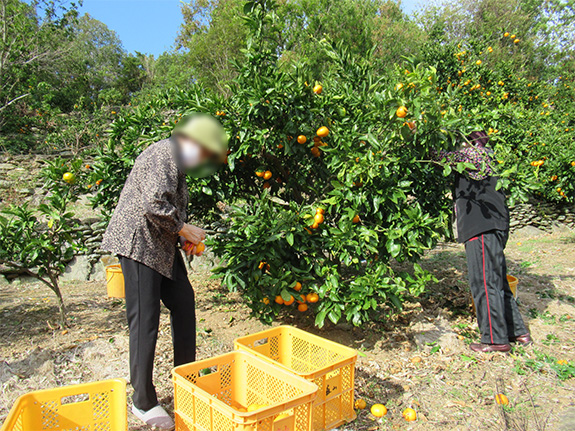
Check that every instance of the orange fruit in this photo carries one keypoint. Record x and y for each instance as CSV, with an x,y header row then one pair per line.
x,y
267,175
302,308
355,219
266,185
312,297
506,34
317,139
401,112
322,132
572,163
501,399
409,415
360,404
261,265
290,301
378,410
200,248
279,300
317,89
478,62
318,218
297,286
301,300
314,225
315,151
321,210
301,139
69,177
266,301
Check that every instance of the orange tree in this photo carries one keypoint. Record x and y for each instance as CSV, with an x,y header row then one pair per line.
x,y
529,118
333,197
40,242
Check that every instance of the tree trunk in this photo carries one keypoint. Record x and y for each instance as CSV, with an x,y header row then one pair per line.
x,y
62,308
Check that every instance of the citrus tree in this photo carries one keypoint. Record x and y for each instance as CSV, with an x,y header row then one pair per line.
x,y
40,242
333,196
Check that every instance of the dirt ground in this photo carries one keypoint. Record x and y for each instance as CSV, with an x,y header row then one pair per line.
x,y
417,359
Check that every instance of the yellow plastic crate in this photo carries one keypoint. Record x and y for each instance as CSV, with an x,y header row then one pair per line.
x,y
329,365
98,406
215,395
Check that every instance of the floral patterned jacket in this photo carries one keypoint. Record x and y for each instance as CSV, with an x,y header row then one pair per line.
x,y
151,210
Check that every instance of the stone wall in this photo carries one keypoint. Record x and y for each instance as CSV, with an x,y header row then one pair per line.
x,y
542,215
90,262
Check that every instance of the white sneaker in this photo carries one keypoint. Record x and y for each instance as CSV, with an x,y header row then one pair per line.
x,y
157,418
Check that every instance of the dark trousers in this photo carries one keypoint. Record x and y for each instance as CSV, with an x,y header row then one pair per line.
x,y
145,288
498,316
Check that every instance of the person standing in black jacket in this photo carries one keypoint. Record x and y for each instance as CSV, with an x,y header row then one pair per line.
x,y
483,226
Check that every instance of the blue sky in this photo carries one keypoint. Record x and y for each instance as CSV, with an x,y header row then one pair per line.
x,y
150,26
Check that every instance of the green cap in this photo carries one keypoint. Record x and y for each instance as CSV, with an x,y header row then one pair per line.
x,y
205,130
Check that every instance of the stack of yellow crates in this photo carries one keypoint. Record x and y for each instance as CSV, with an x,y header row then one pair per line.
x,y
281,379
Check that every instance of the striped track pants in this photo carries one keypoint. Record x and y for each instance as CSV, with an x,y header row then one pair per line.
x,y
498,316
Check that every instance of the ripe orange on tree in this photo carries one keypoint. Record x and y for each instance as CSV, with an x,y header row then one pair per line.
x,y
301,300
355,219
301,139
312,297
297,286
314,225
322,132
409,415
315,151
302,308
266,301
378,410
279,300
289,301
267,175
320,211
318,218
401,112
317,89
259,173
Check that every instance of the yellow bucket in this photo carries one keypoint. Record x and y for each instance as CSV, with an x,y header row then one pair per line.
x,y
512,286
115,281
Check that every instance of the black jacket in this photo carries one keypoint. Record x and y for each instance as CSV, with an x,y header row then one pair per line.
x,y
479,207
